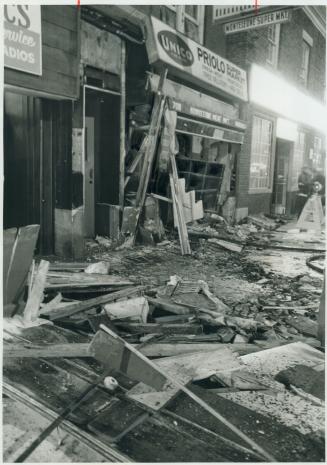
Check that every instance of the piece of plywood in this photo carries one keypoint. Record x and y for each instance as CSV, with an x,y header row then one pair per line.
x,y
20,262
65,279
114,353
9,237
69,350
192,210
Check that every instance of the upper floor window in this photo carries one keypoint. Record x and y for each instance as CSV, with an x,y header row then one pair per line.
x,y
187,19
261,153
305,62
273,44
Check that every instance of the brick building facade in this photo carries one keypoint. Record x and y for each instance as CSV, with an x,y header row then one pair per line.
x,y
288,58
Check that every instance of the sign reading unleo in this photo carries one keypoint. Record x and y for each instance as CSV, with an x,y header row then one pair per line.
x,y
264,19
22,38
177,50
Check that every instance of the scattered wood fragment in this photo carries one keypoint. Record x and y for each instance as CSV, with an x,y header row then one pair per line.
x,y
232,246
124,360
168,306
18,350
178,208
169,349
74,308
62,280
53,303
35,298
150,328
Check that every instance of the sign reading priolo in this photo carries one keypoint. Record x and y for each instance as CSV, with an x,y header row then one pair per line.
x,y
22,38
198,62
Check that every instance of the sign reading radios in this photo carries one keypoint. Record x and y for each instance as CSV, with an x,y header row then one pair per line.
x,y
264,19
22,38
197,61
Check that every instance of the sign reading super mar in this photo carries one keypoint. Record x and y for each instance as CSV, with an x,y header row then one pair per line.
x,y
22,38
196,61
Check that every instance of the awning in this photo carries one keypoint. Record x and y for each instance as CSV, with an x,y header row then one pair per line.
x,y
187,101
209,131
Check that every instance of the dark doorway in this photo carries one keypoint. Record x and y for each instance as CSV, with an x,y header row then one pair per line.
x,y
35,133
102,153
281,172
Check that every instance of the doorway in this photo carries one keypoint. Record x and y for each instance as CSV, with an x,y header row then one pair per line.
x,y
36,131
282,161
101,153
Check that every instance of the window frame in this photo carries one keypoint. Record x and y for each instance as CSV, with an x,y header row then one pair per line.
x,y
304,71
181,15
268,189
274,44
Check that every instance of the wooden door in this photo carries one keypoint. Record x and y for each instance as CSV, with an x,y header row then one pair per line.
x,y
281,175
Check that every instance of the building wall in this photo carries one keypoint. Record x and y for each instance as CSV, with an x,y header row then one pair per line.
x,y
60,54
249,47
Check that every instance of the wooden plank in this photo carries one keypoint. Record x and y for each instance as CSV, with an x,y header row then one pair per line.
x,y
226,245
18,350
74,308
31,311
169,306
114,353
150,328
21,260
178,207
64,279
9,237
171,349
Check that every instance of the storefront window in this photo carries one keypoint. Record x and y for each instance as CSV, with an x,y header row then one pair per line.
x,y
261,153
298,157
317,153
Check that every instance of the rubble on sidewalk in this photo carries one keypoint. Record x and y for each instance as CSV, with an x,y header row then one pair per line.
x,y
141,339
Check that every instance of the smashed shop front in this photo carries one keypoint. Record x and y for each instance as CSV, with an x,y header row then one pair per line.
x,y
202,116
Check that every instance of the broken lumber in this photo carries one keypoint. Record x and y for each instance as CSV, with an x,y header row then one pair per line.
x,y
35,298
63,280
114,352
170,349
168,306
74,308
232,246
150,328
178,208
19,350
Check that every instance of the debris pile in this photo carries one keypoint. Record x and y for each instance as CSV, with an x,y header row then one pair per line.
x,y
121,343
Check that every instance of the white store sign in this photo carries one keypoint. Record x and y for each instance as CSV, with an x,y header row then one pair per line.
x,y
22,38
252,22
182,53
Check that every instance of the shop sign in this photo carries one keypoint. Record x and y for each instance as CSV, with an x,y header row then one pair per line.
x,y
226,11
252,22
197,128
22,38
203,65
192,110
